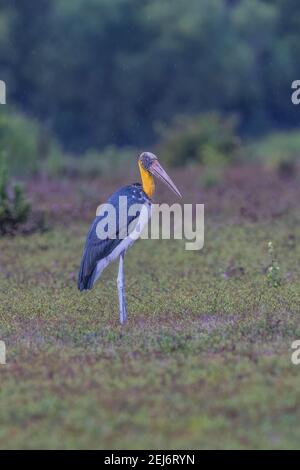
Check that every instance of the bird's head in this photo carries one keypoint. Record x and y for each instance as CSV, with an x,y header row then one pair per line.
x,y
150,166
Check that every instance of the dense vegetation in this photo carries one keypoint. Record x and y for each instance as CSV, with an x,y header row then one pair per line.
x,y
98,72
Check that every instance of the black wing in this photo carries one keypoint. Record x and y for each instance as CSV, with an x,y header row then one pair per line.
x,y
96,249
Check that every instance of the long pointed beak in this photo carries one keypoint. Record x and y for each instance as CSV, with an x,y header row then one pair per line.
x,y
157,170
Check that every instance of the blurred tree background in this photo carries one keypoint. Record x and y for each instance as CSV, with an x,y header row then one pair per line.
x,y
96,73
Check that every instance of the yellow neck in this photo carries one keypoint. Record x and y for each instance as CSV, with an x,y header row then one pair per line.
x,y
147,181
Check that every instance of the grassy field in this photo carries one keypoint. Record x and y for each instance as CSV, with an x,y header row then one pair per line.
x,y
204,361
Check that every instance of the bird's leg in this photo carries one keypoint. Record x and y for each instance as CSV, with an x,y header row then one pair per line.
x,y
121,290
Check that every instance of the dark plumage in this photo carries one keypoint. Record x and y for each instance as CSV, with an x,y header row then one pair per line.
x,y
96,249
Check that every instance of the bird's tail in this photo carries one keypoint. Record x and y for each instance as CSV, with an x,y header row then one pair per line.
x,y
85,280
87,275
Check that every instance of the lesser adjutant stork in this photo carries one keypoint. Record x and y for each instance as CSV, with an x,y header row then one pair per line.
x,y
98,252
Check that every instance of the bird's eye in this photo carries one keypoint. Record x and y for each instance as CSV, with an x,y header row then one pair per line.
x,y
145,161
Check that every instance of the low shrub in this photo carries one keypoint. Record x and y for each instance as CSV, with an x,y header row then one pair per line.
x,y
279,150
199,139
26,143
14,208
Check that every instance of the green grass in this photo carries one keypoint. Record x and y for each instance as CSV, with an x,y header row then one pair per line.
x,y
204,361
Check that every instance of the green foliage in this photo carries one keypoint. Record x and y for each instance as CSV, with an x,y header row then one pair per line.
x,y
14,208
30,149
111,162
139,62
209,139
279,150
25,142
18,136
